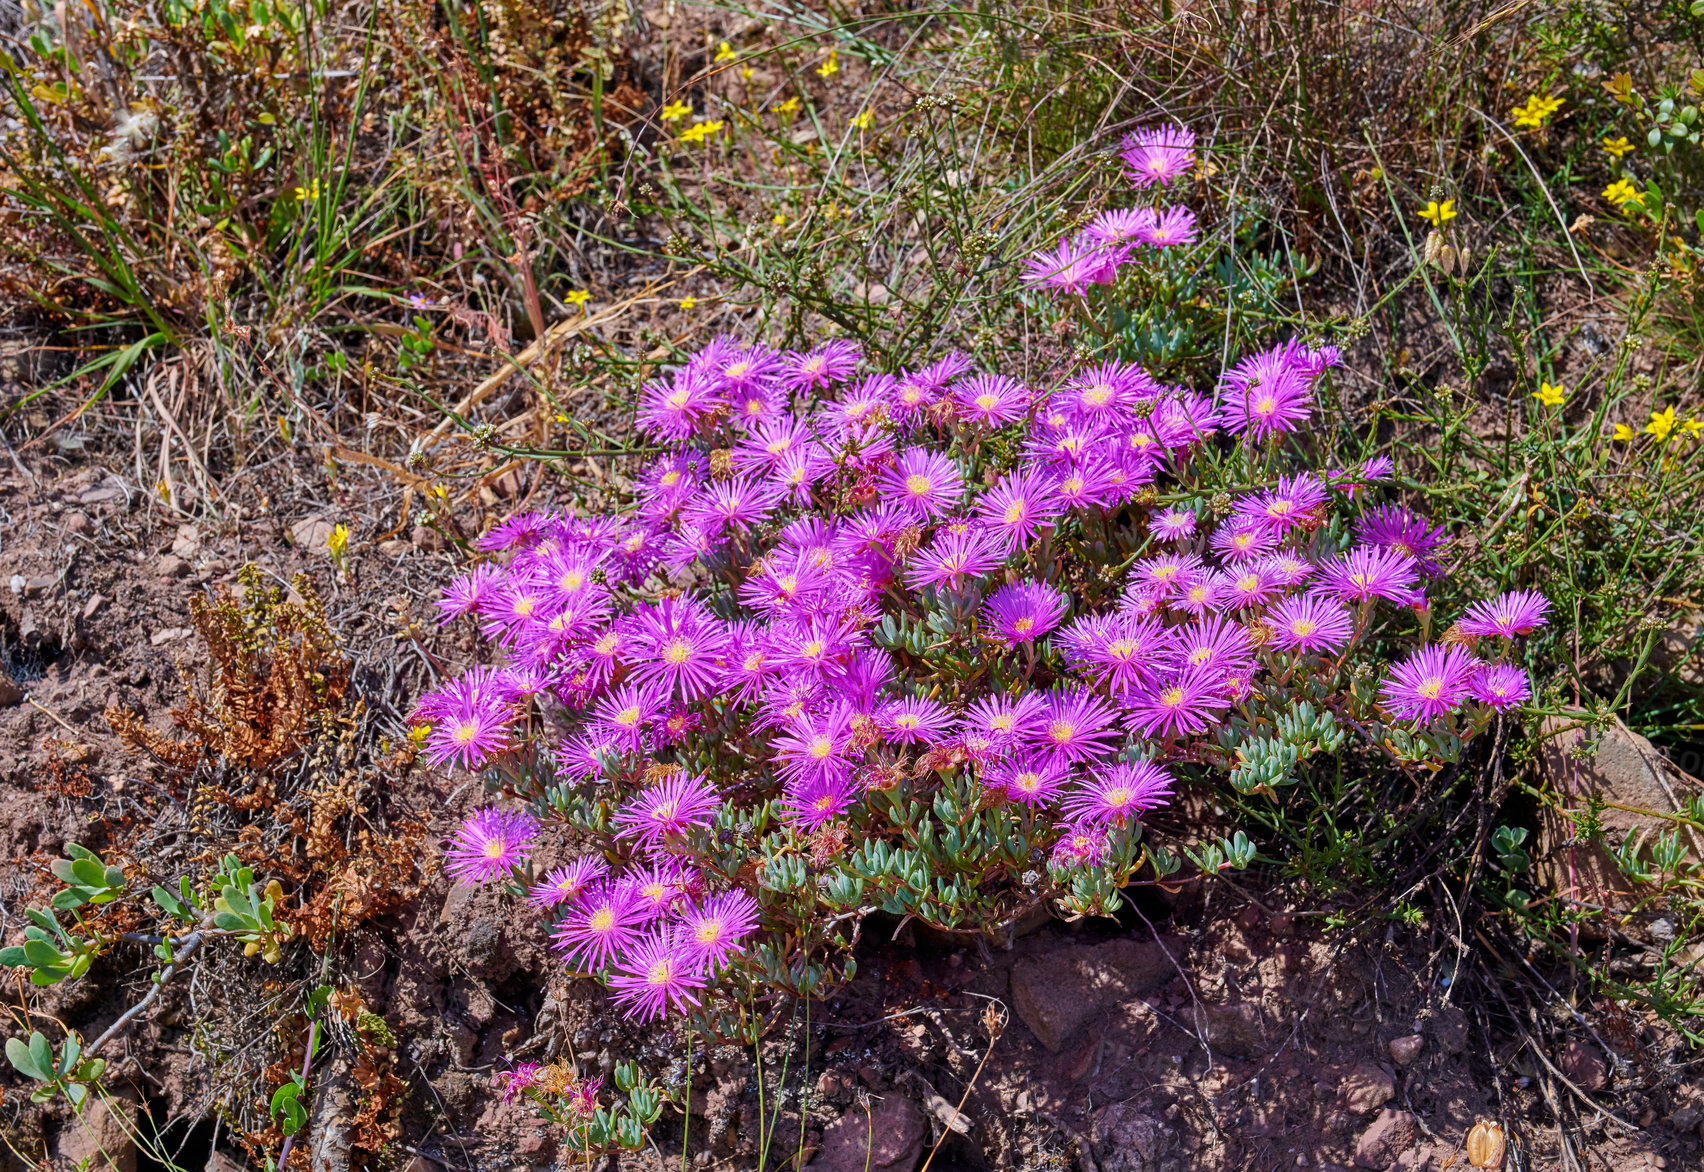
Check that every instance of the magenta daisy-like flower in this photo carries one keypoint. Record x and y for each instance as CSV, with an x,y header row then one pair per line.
x,y
1072,265
923,482
817,746
999,720
951,558
672,807
1367,572
1394,527
1171,227
1173,525
1088,485
657,888
670,411
1241,538
488,844
1297,501
1518,612
821,366
511,1083
1183,704
1120,226
520,531
1017,508
1310,623
913,718
1130,655
1033,779
1429,683
1080,846
602,924
1266,394
1116,793
1023,611
566,884
1212,645
680,643
1243,586
737,504
714,931
1076,725
623,714
1157,154
769,444
655,976
1165,574
816,801
1288,569
991,399
1501,686
468,593
470,724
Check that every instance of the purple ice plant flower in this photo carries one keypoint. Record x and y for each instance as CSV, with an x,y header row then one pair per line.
x,y
1076,725
816,801
1070,266
1171,227
566,884
1080,846
1517,612
670,808
951,558
1032,780
820,367
1310,623
1173,525
1184,703
991,399
1394,527
678,643
602,924
1500,685
1157,154
466,594
911,718
1430,683
1115,793
1023,611
1017,508
1367,572
712,933
656,975
926,483
489,843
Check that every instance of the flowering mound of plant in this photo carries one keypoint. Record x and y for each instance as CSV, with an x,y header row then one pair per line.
x,y
933,643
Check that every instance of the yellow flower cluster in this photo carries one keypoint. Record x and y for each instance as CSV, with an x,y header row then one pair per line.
x,y
1663,424
1536,111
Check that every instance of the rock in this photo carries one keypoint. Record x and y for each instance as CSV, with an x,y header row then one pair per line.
x,y
1235,1028
78,521
1624,774
1126,1140
888,1139
1406,1049
1686,1118
394,548
1583,1063
187,543
1366,1088
98,1139
1056,995
1386,1138
312,534
1449,1027
10,692
429,540
222,1162
1680,643
40,584
169,635
171,566
93,607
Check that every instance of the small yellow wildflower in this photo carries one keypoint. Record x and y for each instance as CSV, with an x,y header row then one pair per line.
x,y
1536,110
790,106
419,733
747,73
725,52
1616,146
439,491
778,220
1662,423
578,298
1693,427
1623,432
1438,213
830,65
700,131
688,302
308,194
1623,194
338,541
265,118
561,418
862,119
675,111
1550,394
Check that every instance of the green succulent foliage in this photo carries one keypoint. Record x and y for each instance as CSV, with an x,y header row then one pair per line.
x,y
68,1072
87,879
185,904
49,952
623,1123
1506,844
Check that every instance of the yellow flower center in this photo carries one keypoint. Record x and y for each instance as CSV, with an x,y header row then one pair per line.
x,y
1098,395
494,849
1023,624
1303,627
820,747
572,580
917,484
1014,512
466,732
709,930
1171,697
602,920
1061,731
670,478
1118,796
661,973
607,644
1265,405
986,402
677,652
1431,688
628,716
736,369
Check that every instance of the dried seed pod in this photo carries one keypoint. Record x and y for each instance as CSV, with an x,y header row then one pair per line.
x,y
1485,1145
